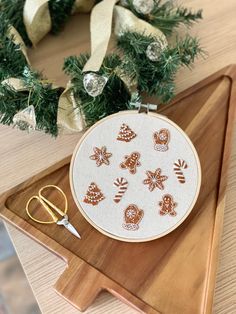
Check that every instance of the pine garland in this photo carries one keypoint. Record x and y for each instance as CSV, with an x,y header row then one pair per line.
x,y
42,96
130,59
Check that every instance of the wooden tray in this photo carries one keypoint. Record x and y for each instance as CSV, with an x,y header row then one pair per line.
x,y
174,274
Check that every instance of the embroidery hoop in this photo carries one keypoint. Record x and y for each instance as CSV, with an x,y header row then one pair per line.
x,y
83,211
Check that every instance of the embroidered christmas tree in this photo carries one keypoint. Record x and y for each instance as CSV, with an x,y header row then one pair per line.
x,y
93,195
125,134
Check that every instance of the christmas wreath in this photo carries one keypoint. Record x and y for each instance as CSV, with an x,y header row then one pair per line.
x,y
146,59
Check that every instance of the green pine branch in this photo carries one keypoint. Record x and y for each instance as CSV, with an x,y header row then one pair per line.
x,y
167,16
42,96
156,78
12,60
13,12
115,96
60,12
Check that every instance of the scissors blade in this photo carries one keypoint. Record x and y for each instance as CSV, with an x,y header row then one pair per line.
x,y
69,226
72,229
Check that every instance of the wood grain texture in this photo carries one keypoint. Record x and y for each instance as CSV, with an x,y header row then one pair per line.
x,y
135,272
23,155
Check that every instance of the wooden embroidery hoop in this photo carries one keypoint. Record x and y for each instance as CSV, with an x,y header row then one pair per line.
x,y
155,115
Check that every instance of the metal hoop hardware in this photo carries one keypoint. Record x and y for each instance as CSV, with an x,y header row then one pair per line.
x,y
145,108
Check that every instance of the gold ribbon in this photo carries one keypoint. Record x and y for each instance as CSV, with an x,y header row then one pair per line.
x,y
15,83
37,17
70,118
83,6
125,20
17,39
100,29
101,25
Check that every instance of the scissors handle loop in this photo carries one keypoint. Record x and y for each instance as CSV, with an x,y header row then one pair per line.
x,y
47,205
54,217
58,210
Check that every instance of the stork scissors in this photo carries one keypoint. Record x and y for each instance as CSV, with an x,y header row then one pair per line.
x,y
51,208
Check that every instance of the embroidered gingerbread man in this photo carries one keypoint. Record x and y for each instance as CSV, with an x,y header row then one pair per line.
x,y
167,205
131,162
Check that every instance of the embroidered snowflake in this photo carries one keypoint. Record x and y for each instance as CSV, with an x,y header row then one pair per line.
x,y
155,179
131,213
101,156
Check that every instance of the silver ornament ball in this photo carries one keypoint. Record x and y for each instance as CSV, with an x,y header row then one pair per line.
x,y
94,83
144,6
154,50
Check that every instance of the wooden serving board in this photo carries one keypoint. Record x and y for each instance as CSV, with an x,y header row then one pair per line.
x,y
173,274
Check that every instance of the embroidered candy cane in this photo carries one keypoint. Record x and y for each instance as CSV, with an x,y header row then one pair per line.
x,y
178,165
122,183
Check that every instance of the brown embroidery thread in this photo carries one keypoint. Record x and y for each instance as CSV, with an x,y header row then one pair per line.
x,y
125,134
101,156
155,179
132,216
122,184
93,195
161,140
131,162
167,205
178,165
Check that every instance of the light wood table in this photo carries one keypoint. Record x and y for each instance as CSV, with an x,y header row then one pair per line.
x,y
23,155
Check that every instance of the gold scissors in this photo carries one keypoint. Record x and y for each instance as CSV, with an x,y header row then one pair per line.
x,y
49,207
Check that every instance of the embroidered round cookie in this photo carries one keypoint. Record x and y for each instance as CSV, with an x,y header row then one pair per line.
x,y
134,176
